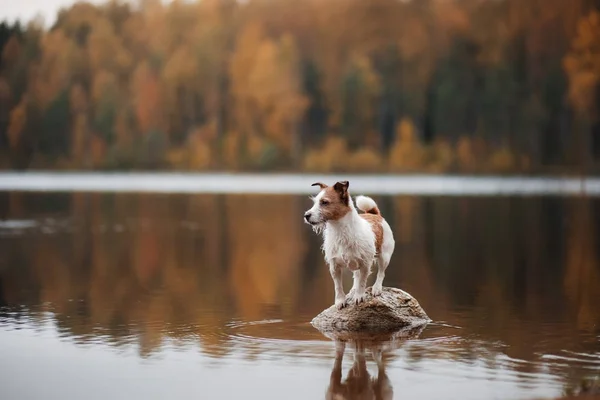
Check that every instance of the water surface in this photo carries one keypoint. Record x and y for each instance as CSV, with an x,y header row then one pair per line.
x,y
148,296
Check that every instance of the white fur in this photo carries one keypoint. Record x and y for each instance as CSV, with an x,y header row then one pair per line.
x,y
383,260
315,212
365,203
349,240
350,243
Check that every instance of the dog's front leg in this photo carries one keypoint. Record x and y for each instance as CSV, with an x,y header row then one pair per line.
x,y
335,268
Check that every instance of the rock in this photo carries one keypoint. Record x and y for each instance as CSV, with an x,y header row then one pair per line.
x,y
392,310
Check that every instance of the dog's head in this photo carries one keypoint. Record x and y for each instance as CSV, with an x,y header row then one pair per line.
x,y
332,203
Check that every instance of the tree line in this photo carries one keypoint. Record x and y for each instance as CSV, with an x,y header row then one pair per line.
x,y
311,85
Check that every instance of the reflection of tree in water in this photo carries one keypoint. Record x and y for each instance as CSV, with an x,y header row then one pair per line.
x,y
266,248
150,268
582,275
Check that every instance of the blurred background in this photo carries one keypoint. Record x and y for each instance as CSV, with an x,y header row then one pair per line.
x,y
438,86
195,294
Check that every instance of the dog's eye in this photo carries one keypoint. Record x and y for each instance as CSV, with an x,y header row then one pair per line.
x,y
324,202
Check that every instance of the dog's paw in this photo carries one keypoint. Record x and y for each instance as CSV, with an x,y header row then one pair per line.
x,y
376,291
358,298
341,303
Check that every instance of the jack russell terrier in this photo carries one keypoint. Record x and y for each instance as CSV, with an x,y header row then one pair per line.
x,y
351,240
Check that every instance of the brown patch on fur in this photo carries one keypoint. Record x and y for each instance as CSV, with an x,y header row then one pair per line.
x,y
319,184
374,211
342,189
334,203
375,221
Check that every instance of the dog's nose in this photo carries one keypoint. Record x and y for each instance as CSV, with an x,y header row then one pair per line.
x,y
307,215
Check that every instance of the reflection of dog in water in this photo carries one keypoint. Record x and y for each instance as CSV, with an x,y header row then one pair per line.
x,y
359,384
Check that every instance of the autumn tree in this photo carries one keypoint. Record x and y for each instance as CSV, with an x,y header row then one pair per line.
x,y
275,90
583,67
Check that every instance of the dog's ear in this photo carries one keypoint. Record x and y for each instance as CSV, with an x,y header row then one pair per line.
x,y
321,185
342,189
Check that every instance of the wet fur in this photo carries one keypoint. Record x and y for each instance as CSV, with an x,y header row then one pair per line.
x,y
351,240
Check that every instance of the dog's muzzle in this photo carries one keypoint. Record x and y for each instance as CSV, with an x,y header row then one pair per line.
x,y
307,216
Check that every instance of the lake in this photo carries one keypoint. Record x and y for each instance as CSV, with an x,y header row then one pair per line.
x,y
210,296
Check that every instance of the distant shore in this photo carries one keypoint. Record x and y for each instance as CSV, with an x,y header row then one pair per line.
x,y
270,183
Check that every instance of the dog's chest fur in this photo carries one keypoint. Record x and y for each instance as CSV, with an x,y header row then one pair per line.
x,y
349,241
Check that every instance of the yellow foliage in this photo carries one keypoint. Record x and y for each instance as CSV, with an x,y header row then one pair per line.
x,y
231,149
465,155
273,88
199,154
180,69
105,49
368,74
364,160
255,146
177,157
243,58
335,156
54,71
330,157
440,157
407,153
194,155
502,160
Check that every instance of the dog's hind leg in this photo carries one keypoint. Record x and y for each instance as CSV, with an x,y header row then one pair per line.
x,y
360,283
382,264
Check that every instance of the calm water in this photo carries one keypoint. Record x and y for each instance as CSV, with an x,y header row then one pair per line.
x,y
147,296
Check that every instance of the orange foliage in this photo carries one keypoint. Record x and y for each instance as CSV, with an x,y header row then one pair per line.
x,y
78,100
11,52
80,133
146,91
16,125
582,64
97,150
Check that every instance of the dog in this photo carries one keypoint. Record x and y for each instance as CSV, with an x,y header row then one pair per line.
x,y
351,240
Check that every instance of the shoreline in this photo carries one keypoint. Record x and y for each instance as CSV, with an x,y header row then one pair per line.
x,y
295,183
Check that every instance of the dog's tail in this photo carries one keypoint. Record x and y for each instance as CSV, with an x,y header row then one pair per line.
x,y
367,205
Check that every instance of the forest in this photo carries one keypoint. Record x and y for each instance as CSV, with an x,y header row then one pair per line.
x,y
386,86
